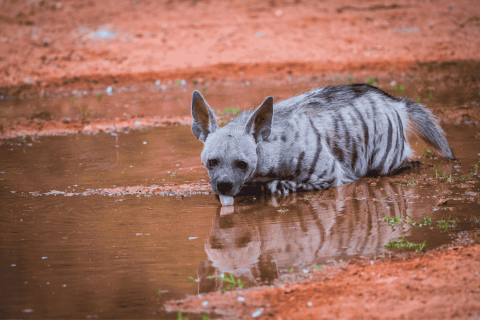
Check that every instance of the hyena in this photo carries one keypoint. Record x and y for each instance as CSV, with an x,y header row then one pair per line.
x,y
319,139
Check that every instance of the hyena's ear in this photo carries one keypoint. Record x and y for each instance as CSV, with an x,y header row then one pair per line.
x,y
260,122
204,121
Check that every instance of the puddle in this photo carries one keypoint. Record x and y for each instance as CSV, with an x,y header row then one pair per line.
x,y
452,89
82,237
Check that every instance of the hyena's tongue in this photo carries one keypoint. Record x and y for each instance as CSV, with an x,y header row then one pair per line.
x,y
226,200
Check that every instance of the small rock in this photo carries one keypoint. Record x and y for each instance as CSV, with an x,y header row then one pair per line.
x,y
441,202
257,313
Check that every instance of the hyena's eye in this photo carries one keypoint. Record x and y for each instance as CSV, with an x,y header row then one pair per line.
x,y
241,165
213,162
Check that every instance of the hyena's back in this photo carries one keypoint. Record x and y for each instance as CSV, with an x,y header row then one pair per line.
x,y
335,135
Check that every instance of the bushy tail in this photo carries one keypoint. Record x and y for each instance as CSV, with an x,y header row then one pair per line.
x,y
425,125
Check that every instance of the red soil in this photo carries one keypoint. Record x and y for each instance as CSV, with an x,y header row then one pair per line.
x,y
440,285
110,41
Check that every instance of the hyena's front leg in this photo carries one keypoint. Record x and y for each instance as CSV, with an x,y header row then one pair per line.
x,y
282,186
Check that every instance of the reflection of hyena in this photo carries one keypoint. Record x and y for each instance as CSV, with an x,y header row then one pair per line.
x,y
311,232
326,137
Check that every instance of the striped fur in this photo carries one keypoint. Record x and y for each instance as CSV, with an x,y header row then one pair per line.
x,y
319,139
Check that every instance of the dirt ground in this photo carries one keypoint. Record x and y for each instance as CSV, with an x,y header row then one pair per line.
x,y
56,46
438,285
80,41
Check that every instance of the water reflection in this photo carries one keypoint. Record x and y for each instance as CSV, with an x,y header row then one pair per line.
x,y
261,239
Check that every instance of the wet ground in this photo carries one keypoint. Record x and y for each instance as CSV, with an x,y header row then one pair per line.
x,y
116,223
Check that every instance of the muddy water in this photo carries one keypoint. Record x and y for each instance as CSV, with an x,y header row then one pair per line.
x,y
69,253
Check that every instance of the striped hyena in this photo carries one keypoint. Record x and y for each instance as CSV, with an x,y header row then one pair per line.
x,y
322,138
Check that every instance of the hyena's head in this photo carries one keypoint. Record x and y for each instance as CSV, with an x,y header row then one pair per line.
x,y
230,153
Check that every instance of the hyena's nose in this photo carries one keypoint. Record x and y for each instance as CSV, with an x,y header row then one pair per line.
x,y
224,186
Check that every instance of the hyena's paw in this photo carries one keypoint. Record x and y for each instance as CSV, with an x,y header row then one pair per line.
x,y
282,187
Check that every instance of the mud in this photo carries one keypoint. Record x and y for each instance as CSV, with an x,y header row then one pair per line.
x,y
418,287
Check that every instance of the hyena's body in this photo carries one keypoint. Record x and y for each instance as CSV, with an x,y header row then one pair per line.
x,y
322,138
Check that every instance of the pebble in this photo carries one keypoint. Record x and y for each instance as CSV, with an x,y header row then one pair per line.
x,y
257,313
309,303
109,90
204,303
241,299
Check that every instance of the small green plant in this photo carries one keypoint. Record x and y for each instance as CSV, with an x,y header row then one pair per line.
x,y
448,177
335,80
315,267
177,82
232,283
204,90
436,170
349,80
427,153
430,96
399,88
393,221
467,176
205,316
84,110
445,225
475,166
426,220
419,100
390,70
476,220
193,279
411,181
282,209
223,122
180,317
421,246
195,82
159,293
233,111
291,270
402,244
99,97
372,81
